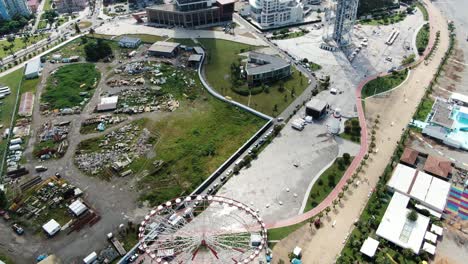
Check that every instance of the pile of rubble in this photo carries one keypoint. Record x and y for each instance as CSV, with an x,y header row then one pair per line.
x,y
56,133
102,120
45,109
117,148
130,82
132,68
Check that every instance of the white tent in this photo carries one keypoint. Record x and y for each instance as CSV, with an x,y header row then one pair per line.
x,y
369,247
429,248
51,227
436,229
77,208
297,251
430,237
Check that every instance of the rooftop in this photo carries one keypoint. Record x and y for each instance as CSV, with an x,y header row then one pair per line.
x,y
429,190
438,166
369,247
33,66
316,104
129,40
459,97
409,156
261,63
441,114
195,57
163,46
396,228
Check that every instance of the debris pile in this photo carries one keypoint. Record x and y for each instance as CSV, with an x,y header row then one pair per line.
x,y
52,139
115,150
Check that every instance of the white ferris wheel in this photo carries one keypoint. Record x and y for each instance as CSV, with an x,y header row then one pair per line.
x,y
202,229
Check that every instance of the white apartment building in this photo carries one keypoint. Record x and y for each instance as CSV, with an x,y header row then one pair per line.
x,y
276,13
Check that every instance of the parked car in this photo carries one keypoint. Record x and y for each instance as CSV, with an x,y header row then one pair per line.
x,y
229,172
223,179
210,191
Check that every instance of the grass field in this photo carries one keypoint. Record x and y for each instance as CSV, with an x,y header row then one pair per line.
x,y
326,182
424,109
193,143
422,39
64,87
282,232
19,44
47,5
42,24
383,84
222,53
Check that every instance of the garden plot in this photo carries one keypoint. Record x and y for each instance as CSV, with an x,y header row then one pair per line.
x,y
69,88
114,151
52,140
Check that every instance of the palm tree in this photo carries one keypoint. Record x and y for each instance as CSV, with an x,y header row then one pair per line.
x,y
340,196
345,188
335,202
327,210
349,181
320,215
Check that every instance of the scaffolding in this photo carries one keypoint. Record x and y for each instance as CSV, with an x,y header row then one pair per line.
x,y
340,17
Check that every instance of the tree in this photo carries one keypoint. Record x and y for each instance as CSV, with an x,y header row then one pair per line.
x,y
407,253
335,202
320,215
281,87
91,31
275,108
247,160
327,210
3,200
340,196
96,51
347,158
50,16
77,29
412,216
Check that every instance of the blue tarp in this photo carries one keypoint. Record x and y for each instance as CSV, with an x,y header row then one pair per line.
x,y
296,261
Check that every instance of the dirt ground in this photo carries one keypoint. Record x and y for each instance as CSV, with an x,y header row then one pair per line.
x,y
396,110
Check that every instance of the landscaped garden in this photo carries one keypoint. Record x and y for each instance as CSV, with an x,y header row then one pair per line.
x,y
422,39
352,130
424,109
383,84
270,98
70,85
327,181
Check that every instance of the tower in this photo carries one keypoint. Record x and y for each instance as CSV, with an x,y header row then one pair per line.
x,y
340,17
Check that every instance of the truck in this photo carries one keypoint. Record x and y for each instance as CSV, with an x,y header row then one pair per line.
x,y
297,125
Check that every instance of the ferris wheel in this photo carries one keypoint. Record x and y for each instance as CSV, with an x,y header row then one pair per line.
x,y
202,229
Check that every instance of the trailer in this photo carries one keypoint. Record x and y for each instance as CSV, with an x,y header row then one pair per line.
x,y
16,141
297,125
90,258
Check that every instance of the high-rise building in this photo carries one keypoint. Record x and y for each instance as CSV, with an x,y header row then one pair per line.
x,y
10,8
276,13
70,6
191,13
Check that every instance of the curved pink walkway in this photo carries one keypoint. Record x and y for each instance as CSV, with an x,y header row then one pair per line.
x,y
362,152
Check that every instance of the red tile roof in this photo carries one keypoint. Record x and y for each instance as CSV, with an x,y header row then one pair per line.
x,y
409,156
438,166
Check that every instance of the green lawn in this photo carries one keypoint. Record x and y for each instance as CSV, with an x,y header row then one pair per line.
x,y
352,130
422,39
424,109
290,35
423,10
221,55
386,20
282,232
326,182
13,81
383,84
314,66
18,44
64,87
